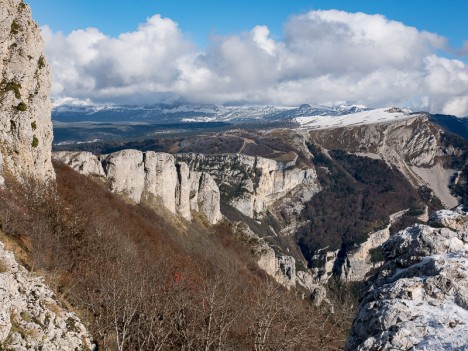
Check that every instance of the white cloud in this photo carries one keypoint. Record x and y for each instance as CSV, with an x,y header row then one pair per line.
x,y
324,56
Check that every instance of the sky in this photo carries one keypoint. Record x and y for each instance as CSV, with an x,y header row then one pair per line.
x,y
372,52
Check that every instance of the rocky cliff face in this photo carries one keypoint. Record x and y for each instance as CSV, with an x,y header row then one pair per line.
x,y
281,267
25,124
30,317
152,177
419,298
253,184
412,145
355,264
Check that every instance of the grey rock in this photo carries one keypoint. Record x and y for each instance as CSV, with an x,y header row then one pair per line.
x,y
85,162
254,184
152,177
25,123
419,298
30,316
281,267
456,219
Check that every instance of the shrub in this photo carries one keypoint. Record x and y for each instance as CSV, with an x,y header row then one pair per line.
x,y
34,125
12,86
35,142
21,107
41,62
15,27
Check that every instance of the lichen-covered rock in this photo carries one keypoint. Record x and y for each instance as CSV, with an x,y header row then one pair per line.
x,y
419,299
25,80
152,177
30,316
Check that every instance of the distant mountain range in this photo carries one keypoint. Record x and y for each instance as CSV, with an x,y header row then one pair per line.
x,y
170,113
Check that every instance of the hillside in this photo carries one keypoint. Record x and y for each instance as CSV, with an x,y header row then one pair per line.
x,y
215,227
199,273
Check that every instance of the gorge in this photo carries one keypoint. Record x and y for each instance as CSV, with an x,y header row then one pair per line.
x,y
200,240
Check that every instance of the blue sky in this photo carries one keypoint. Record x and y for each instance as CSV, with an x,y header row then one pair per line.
x,y
205,17
378,53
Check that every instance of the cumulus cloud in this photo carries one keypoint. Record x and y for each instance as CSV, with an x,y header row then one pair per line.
x,y
325,56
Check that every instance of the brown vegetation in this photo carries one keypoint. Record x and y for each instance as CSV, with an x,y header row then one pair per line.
x,y
359,194
140,282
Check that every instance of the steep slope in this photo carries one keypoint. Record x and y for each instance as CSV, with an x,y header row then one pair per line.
x,y
30,316
253,184
320,187
152,178
418,300
25,124
412,144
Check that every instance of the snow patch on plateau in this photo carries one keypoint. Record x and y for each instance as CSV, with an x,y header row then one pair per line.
x,y
380,115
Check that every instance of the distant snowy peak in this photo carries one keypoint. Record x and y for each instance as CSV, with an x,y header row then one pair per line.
x,y
361,117
320,110
197,112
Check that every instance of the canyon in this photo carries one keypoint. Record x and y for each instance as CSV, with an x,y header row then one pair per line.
x,y
322,203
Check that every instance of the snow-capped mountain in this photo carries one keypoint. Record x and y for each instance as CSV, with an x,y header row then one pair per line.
x,y
353,119
83,111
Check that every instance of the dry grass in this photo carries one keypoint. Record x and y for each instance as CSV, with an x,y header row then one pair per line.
x,y
101,254
3,267
17,247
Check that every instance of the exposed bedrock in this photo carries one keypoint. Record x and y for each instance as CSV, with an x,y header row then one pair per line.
x,y
152,177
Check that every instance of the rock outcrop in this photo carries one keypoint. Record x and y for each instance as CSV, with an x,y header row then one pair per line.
x,y
419,298
367,256
253,184
152,177
25,80
280,266
412,145
30,316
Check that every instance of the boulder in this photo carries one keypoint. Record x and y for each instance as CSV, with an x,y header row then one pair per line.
x,y
419,298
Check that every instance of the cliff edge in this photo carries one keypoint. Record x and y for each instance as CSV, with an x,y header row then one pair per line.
x,y
419,298
25,80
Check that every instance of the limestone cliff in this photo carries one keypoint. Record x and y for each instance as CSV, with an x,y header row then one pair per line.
x,y
253,184
412,145
419,298
152,177
280,266
25,79
30,316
